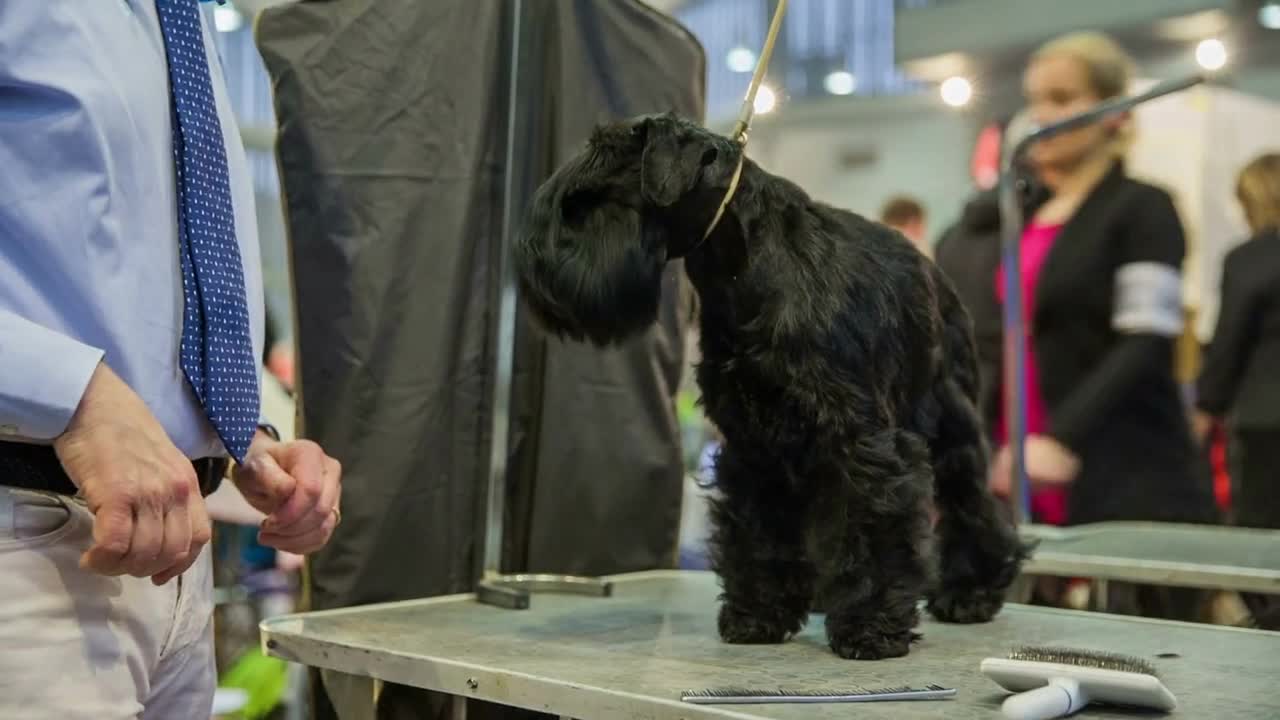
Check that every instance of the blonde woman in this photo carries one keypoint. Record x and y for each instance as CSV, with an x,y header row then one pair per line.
x,y
1241,373
1101,263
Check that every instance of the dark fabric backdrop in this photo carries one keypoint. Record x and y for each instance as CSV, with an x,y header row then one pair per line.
x,y
393,120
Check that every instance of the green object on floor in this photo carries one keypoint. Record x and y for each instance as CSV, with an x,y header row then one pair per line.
x,y
687,410
263,678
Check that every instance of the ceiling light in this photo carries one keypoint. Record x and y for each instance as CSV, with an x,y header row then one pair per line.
x,y
766,100
840,82
1269,16
741,60
956,91
1211,54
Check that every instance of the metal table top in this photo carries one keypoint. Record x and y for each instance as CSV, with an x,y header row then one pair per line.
x,y
1207,556
629,656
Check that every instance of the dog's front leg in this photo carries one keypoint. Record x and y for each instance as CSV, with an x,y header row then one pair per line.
x,y
757,550
872,529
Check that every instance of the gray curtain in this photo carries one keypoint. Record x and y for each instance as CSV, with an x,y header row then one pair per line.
x,y
393,118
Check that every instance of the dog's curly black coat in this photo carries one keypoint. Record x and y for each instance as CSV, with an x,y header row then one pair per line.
x,y
837,362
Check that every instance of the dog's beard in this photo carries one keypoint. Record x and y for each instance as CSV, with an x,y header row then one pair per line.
x,y
590,268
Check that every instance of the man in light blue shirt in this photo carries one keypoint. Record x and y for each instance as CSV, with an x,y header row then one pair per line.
x,y
130,303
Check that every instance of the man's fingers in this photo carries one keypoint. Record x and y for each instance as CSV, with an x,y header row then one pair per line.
x,y
201,532
177,533
144,558
272,486
301,544
298,513
320,511
112,536
201,526
176,548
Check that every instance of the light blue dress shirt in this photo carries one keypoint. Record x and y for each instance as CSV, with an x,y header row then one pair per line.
x,y
89,244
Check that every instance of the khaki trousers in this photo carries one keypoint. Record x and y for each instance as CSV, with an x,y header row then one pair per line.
x,y
75,645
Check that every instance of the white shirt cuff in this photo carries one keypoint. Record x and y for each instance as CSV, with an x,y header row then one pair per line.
x,y
43,375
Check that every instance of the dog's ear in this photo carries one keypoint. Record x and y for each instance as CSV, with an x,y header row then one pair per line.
x,y
673,159
590,266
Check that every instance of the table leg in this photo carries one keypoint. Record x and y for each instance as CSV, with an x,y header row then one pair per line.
x,y
1100,594
458,708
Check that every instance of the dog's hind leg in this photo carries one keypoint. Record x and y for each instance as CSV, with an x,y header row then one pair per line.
x,y
877,557
980,553
757,550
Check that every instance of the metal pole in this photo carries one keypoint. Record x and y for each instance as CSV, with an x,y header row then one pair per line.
x,y
1011,223
504,351
1014,334
494,588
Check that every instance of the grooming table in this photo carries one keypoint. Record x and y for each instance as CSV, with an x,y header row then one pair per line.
x,y
630,655
1203,556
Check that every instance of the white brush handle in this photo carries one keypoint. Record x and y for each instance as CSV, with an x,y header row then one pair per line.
x,y
1060,698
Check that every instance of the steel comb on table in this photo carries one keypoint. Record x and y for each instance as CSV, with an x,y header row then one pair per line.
x,y
745,696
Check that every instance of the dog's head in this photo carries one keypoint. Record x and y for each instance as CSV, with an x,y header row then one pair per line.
x,y
601,229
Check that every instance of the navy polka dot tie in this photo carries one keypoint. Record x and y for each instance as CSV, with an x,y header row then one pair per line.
x,y
217,350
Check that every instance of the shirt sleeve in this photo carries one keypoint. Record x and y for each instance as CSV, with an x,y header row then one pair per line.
x,y
43,375
1146,316
1236,330
263,419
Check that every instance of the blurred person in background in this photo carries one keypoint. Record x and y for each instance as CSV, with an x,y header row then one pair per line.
x,y
1241,373
906,215
968,252
277,354
1108,437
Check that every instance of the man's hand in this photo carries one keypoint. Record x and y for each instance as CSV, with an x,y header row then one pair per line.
x,y
297,487
148,517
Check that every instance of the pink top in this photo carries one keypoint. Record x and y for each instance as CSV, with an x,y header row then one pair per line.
x,y
1048,505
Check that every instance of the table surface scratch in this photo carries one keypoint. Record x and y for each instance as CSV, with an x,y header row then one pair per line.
x,y
629,656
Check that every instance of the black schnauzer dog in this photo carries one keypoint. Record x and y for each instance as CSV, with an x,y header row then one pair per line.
x,y
837,362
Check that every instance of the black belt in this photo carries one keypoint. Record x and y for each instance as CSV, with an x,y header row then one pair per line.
x,y
36,467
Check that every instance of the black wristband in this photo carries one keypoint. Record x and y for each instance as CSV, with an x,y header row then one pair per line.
x,y
270,430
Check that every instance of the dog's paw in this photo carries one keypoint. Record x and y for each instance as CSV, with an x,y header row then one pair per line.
x,y
966,606
740,628
873,646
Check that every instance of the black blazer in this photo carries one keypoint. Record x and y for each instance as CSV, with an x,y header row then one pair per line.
x,y
1108,312
1241,372
968,253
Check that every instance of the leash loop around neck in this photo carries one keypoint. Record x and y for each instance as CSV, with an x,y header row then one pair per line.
x,y
741,128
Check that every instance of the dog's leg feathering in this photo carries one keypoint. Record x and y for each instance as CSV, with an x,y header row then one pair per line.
x,y
873,527
981,553
757,550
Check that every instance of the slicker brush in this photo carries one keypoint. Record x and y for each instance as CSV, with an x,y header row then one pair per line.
x,y
1054,682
